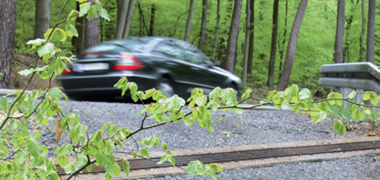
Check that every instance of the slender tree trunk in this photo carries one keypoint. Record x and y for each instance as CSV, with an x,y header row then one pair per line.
x,y
273,45
371,30
189,19
338,47
128,19
362,45
91,31
152,14
347,40
78,42
7,32
251,36
216,29
42,18
143,26
284,80
233,37
282,47
122,10
246,45
203,25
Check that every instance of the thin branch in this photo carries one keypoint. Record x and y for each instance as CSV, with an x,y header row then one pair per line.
x,y
89,162
10,156
137,145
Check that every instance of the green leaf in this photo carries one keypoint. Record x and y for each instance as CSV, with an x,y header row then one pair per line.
x,y
291,91
113,169
196,167
373,98
45,49
150,141
89,168
144,152
73,30
339,127
334,96
366,96
357,116
104,14
319,117
126,166
26,72
48,32
304,94
164,146
200,100
84,9
59,35
214,94
134,154
271,95
247,94
351,95
148,93
229,95
36,42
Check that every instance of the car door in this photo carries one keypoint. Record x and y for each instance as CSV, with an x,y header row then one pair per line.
x,y
171,58
201,74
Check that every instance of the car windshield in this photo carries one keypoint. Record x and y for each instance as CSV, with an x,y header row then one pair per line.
x,y
130,45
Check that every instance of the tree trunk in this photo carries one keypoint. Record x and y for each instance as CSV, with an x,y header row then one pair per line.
x,y
273,45
338,46
189,18
246,45
7,31
371,30
128,20
78,42
347,40
152,14
216,29
42,18
91,31
362,46
203,25
251,36
282,47
122,9
143,26
233,37
292,44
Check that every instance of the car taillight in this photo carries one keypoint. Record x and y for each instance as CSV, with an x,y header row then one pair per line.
x,y
69,71
128,62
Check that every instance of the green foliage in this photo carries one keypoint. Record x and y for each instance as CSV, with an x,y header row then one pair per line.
x,y
22,156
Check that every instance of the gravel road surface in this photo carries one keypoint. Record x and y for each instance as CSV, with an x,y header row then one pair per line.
x,y
253,127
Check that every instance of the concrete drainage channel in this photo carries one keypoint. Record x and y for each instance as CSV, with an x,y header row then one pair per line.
x,y
246,156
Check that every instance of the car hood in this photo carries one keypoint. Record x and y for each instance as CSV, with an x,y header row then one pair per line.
x,y
227,73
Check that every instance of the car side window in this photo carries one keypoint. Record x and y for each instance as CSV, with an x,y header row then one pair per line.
x,y
170,50
192,54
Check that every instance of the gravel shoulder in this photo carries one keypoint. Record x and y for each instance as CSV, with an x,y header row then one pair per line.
x,y
253,127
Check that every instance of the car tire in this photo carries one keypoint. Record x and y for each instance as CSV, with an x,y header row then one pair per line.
x,y
166,87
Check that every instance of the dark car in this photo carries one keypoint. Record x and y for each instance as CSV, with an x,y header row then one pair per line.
x,y
170,65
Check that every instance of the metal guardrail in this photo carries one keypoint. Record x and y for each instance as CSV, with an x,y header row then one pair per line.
x,y
345,77
360,75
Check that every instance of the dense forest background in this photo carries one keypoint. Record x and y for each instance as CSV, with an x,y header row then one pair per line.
x,y
315,45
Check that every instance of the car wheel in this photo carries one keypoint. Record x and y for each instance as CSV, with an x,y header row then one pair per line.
x,y
166,87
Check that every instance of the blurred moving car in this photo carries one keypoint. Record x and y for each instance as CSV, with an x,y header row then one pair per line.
x,y
170,65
